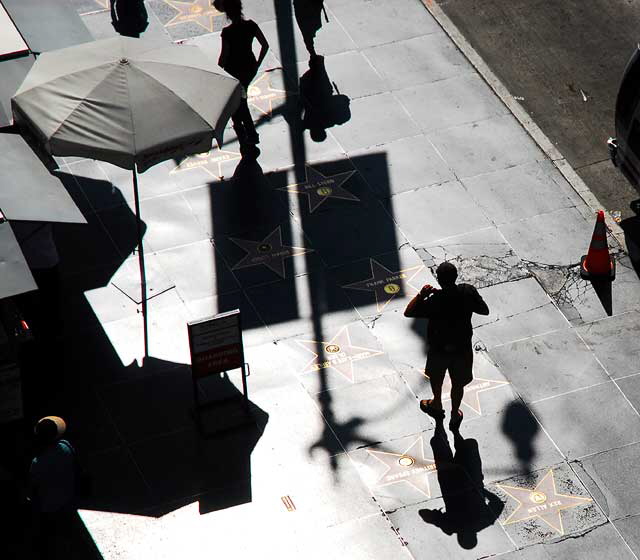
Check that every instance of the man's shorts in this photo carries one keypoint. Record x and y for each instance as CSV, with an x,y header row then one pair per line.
x,y
459,364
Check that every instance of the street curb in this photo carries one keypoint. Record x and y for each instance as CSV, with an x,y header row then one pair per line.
x,y
539,137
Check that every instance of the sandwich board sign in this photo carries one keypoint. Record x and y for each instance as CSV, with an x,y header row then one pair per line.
x,y
216,346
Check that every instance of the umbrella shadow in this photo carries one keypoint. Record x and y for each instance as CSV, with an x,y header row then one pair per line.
x,y
134,426
468,506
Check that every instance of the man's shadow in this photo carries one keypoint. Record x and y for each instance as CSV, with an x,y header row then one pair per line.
x,y
323,106
308,15
469,506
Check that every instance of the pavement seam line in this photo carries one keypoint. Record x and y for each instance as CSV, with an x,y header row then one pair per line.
x,y
519,113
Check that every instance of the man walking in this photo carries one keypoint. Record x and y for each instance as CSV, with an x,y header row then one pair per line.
x,y
449,334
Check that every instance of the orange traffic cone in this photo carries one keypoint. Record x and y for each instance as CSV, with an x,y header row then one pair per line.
x,y
597,263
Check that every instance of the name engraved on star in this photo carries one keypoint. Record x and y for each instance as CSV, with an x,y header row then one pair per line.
x,y
386,281
259,259
409,472
341,358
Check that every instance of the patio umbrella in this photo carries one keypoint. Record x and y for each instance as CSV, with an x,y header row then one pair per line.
x,y
129,102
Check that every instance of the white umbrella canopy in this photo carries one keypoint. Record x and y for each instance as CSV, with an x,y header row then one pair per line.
x,y
126,101
130,102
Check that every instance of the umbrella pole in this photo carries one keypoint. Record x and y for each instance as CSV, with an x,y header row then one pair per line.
x,y
143,276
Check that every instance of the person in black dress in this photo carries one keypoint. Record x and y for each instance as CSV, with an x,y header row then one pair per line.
x,y
237,58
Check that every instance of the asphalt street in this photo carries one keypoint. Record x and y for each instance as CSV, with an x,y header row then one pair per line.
x,y
321,243
563,61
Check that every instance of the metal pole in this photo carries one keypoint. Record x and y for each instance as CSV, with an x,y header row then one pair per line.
x,y
143,276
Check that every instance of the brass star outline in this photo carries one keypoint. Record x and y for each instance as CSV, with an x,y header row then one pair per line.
x,y
200,12
414,471
471,391
544,508
335,355
384,282
318,187
269,252
261,97
215,156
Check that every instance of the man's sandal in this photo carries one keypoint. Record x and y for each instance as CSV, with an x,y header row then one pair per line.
x,y
425,406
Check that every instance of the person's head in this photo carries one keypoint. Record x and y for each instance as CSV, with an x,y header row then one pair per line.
x,y
446,273
233,9
49,429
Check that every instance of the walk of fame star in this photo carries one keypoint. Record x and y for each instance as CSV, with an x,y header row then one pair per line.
x,y
214,157
406,467
339,354
261,95
471,391
270,252
543,502
384,283
319,187
200,12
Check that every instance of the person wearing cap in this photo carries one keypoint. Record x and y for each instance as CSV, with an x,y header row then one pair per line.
x,y
449,333
52,480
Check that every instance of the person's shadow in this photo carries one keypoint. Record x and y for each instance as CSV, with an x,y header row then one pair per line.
x,y
129,17
322,108
469,506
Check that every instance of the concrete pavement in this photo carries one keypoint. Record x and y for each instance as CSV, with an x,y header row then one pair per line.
x,y
321,245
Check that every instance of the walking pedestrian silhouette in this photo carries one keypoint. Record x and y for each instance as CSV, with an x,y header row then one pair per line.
x,y
449,335
469,506
238,59
129,17
308,16
321,108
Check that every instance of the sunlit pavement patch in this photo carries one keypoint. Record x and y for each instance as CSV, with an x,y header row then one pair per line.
x,y
543,505
339,354
386,284
409,467
211,162
86,7
261,95
187,19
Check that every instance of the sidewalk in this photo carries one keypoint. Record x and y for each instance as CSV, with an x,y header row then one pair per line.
x,y
321,245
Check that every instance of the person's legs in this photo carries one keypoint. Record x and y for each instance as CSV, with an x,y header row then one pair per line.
x,y
435,370
243,118
461,373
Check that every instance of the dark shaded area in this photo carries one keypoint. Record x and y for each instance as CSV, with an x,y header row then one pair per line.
x,y
469,506
521,428
631,228
603,289
553,56
134,426
129,17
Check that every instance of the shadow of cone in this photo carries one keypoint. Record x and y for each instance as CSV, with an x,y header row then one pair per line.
x,y
598,267
597,264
